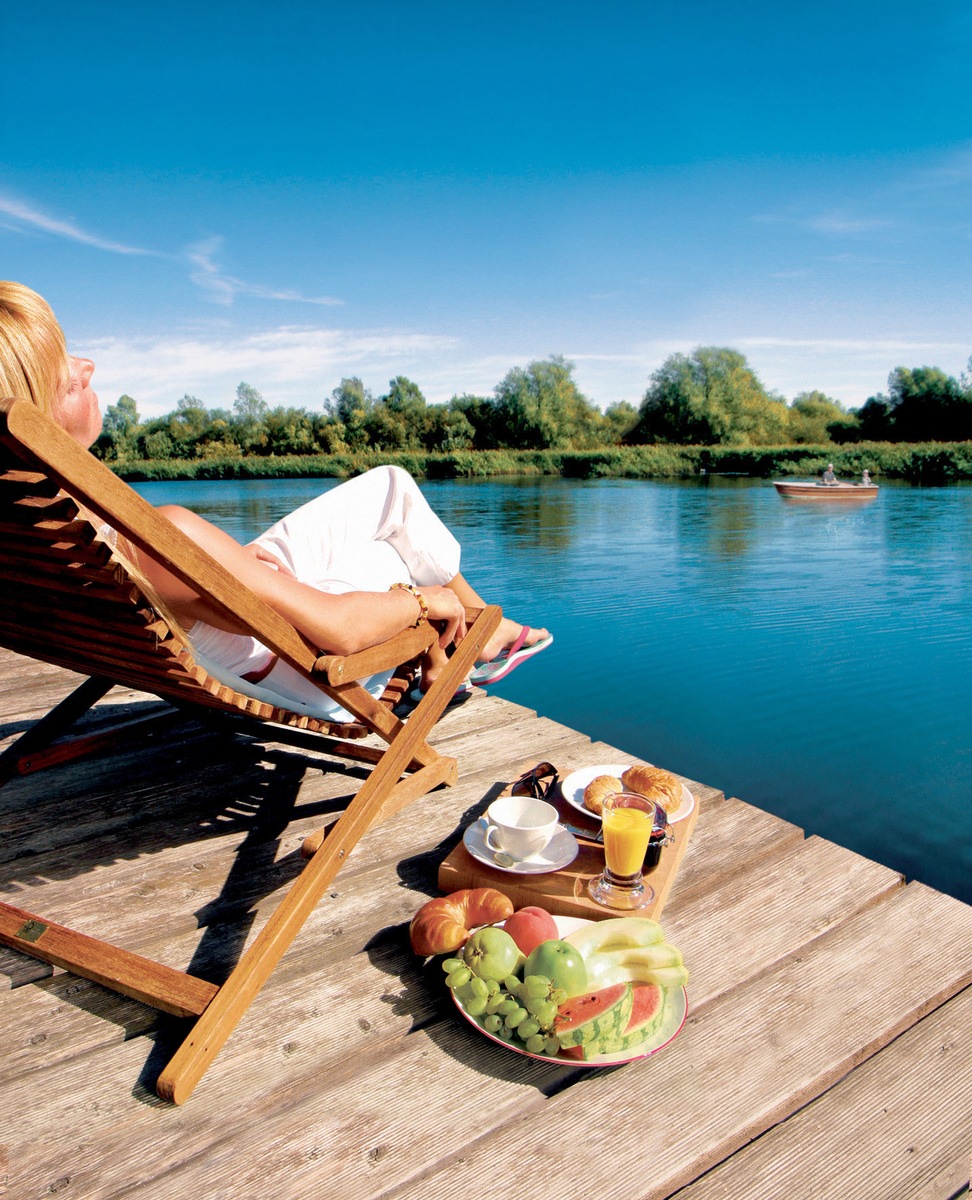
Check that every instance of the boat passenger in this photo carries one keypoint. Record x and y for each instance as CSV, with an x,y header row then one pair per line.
x,y
828,476
350,569
866,479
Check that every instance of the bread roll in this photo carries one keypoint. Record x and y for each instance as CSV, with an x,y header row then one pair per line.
x,y
597,789
658,785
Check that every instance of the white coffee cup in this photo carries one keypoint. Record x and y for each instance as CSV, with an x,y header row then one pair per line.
x,y
519,825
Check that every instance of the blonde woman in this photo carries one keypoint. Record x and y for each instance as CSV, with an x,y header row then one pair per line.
x,y
350,569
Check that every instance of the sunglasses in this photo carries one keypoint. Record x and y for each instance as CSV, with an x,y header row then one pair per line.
x,y
536,783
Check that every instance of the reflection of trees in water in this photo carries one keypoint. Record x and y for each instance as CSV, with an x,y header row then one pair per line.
x,y
538,512
718,521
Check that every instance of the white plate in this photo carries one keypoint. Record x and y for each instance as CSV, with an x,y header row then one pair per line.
x,y
558,852
572,789
673,1018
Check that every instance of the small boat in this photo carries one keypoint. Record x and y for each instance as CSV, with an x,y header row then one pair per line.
x,y
813,489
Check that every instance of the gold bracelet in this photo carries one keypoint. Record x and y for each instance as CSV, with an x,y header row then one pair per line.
x,y
423,606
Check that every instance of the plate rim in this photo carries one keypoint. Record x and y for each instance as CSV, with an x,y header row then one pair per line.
x,y
565,926
538,870
688,796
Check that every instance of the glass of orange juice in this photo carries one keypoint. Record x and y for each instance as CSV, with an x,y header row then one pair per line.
x,y
627,820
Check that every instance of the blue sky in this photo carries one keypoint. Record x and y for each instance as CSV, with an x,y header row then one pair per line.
x,y
287,194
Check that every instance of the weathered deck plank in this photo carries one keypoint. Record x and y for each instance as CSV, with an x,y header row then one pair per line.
x,y
889,1131
350,1075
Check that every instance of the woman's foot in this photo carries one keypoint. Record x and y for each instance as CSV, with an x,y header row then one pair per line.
x,y
525,644
506,635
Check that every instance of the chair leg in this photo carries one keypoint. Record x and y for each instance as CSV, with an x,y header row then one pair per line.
x,y
26,753
223,1013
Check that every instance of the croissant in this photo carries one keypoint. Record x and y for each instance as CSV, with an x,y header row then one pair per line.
x,y
599,787
656,784
444,924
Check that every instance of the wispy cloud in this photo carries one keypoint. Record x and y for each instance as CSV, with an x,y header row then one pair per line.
x,y
831,223
840,223
223,289
953,170
21,216
825,345
290,364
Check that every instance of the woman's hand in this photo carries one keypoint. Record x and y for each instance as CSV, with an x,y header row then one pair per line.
x,y
446,610
263,555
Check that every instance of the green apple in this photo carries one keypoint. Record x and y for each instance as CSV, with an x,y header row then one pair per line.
x,y
561,963
491,953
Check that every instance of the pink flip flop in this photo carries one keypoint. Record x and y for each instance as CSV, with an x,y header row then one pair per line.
x,y
499,668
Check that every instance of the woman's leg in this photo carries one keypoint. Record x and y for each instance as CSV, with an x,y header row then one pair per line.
x,y
347,535
323,539
506,632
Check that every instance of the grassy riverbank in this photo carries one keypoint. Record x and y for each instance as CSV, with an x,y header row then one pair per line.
x,y
929,463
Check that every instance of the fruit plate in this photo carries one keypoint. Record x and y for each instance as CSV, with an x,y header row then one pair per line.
x,y
673,1018
572,789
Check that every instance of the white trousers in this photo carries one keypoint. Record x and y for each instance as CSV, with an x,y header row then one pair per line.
x,y
364,535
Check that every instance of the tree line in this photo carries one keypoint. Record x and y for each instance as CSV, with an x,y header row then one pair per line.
x,y
710,397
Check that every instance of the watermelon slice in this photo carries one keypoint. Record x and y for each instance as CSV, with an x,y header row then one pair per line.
x,y
594,1016
647,1008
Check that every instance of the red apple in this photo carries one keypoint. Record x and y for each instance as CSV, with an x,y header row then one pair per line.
x,y
528,927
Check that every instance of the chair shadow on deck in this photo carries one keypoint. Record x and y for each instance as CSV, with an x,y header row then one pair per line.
x,y
155,797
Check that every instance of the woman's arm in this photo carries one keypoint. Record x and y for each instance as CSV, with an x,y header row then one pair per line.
x,y
340,624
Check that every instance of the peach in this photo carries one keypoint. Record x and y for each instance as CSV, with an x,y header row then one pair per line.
x,y
530,926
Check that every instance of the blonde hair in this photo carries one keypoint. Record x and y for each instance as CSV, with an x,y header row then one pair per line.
x,y
33,353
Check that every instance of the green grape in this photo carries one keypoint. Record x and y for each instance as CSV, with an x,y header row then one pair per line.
x,y
452,964
492,986
535,987
494,1003
478,987
527,1028
551,1044
509,1005
457,978
535,1004
536,1043
513,1019
558,996
476,1006
512,985
546,1014
464,992
493,1023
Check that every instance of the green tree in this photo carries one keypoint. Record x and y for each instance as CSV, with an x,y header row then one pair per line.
x,y
711,397
398,420
184,427
810,416
350,404
925,404
540,406
248,423
873,419
289,431
620,419
447,429
479,412
119,431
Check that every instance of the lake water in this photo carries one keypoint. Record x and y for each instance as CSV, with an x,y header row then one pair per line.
x,y
812,660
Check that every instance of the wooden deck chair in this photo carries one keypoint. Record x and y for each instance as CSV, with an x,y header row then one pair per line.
x,y
67,598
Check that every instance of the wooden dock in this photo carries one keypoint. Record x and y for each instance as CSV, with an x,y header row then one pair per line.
x,y
827,1051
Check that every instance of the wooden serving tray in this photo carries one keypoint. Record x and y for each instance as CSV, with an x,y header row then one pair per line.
x,y
564,892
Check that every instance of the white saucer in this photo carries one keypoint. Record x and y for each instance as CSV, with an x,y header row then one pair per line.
x,y
558,852
572,789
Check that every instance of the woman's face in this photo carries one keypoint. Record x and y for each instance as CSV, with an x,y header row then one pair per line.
x,y
77,411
